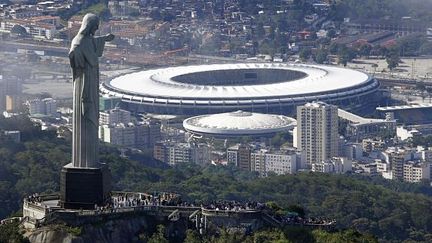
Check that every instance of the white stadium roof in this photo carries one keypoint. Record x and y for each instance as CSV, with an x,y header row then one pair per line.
x,y
160,82
238,123
263,87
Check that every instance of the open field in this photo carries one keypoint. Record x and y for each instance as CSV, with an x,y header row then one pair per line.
x,y
410,68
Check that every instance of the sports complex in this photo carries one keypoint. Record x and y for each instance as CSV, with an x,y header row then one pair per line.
x,y
238,123
255,87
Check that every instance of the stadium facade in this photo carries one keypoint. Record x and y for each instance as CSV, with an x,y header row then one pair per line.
x,y
276,88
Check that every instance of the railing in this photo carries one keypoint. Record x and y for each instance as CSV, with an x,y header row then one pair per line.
x,y
154,208
211,212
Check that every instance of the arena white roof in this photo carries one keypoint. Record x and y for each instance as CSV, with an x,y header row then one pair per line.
x,y
160,82
238,123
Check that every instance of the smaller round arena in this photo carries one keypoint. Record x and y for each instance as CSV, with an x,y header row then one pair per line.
x,y
238,123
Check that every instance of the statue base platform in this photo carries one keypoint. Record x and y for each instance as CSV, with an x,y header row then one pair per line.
x,y
83,188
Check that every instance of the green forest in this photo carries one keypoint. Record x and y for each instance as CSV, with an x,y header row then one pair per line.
x,y
391,211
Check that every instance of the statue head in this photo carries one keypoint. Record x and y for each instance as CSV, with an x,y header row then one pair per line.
x,y
89,24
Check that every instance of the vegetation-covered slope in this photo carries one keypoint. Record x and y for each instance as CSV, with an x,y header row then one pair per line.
x,y
393,211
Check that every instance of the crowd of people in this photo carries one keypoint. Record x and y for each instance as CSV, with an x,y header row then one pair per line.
x,y
234,206
34,198
129,200
122,200
294,219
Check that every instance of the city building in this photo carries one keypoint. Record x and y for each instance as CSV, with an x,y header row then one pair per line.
x,y
12,87
114,116
179,153
108,103
265,162
334,165
317,131
141,135
120,134
323,167
370,145
367,168
47,106
353,151
359,127
123,8
412,114
240,156
404,133
397,161
416,171
280,163
14,103
258,161
35,27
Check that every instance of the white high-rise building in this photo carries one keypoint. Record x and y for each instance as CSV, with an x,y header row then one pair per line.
x,y
114,116
179,153
50,106
119,134
258,161
36,106
317,131
141,135
278,162
47,106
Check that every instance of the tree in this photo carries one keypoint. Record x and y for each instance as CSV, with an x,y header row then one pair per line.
x,y
426,48
267,47
410,45
275,235
334,48
305,54
393,58
365,50
321,56
331,33
10,232
159,235
192,237
378,51
156,15
259,31
345,55
297,209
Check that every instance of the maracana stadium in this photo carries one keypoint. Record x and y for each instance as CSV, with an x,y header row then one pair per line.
x,y
255,87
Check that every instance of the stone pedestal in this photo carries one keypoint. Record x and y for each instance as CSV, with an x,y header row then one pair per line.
x,y
82,188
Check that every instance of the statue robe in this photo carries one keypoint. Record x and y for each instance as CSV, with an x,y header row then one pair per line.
x,y
84,53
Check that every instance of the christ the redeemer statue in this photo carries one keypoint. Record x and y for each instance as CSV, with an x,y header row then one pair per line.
x,y
84,54
85,182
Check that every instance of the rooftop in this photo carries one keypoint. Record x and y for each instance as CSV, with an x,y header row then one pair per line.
x,y
196,82
239,123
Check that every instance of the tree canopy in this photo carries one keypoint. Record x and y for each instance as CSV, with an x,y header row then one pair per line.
x,y
392,211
